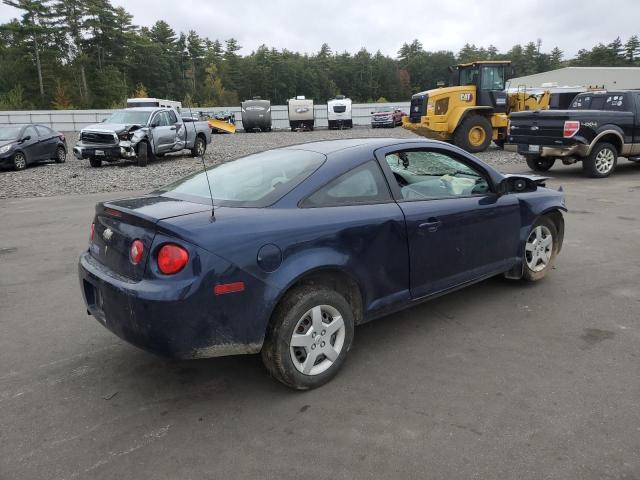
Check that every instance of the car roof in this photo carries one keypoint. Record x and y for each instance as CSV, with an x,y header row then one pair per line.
x,y
327,147
145,109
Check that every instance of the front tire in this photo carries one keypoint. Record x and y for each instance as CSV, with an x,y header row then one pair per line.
x,y
143,154
19,161
474,134
540,164
309,336
601,162
541,249
95,162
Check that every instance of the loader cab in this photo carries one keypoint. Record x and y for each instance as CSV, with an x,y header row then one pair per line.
x,y
489,78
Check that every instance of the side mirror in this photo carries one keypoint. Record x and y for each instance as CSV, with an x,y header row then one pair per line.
x,y
515,184
26,138
154,124
103,120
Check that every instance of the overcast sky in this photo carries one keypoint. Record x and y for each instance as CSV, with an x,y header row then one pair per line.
x,y
386,24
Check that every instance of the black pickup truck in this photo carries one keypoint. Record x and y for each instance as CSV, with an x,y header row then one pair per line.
x,y
596,129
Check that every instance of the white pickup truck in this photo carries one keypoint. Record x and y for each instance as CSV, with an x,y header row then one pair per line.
x,y
141,134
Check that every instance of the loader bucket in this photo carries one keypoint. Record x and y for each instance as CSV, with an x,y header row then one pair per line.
x,y
221,126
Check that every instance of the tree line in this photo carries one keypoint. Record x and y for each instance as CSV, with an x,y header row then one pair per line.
x,y
66,54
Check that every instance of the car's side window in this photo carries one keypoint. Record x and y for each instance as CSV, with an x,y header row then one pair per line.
x,y
43,131
364,184
172,117
162,119
427,174
31,132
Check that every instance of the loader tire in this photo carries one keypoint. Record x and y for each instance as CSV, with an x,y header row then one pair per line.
x,y
473,134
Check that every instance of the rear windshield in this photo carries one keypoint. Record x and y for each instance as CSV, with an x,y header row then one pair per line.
x,y
255,181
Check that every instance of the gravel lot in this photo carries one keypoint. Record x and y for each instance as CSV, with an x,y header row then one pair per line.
x,y
77,177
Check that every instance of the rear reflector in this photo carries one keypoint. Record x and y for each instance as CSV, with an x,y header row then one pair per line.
x,y
571,127
92,232
136,251
172,258
223,288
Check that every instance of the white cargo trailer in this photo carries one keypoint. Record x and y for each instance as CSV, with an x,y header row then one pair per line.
x,y
339,113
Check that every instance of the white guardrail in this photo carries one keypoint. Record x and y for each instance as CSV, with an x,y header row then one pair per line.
x,y
75,120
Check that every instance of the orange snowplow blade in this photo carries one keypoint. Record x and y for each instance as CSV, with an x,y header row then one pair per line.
x,y
221,125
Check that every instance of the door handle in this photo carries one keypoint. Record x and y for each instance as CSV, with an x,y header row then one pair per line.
x,y
432,225
173,128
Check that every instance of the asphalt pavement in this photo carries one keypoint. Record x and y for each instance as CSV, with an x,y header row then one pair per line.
x,y
501,380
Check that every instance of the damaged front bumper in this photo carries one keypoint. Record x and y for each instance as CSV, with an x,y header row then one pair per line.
x,y
123,149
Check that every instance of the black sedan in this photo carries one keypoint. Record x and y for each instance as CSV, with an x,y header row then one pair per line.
x,y
21,145
307,241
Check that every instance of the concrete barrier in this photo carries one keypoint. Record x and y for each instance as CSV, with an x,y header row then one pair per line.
x,y
75,120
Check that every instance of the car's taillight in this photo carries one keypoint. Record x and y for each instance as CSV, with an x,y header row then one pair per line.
x,y
136,251
172,258
571,127
92,232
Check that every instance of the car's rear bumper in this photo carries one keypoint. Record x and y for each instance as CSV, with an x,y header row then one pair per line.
x,y
577,150
173,318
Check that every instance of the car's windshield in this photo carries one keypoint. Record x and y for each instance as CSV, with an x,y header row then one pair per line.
x,y
255,181
9,133
132,117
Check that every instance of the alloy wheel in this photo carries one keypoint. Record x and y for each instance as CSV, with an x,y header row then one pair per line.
x,y
200,148
539,248
19,161
604,161
317,340
62,155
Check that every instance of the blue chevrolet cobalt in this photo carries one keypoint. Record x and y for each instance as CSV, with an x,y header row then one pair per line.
x,y
284,252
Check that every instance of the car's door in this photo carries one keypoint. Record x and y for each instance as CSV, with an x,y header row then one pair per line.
x,y
31,145
180,139
48,142
458,228
164,133
364,227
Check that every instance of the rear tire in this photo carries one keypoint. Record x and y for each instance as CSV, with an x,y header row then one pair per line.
x,y
61,155
95,162
143,154
199,147
305,316
601,162
541,249
474,134
540,164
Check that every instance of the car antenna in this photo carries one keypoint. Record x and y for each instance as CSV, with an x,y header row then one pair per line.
x,y
204,166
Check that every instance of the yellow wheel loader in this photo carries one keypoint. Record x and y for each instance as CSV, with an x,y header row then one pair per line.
x,y
474,110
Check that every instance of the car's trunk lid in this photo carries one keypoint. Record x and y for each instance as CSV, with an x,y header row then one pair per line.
x,y
119,223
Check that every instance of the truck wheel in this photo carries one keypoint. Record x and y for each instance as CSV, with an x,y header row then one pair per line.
x,y
474,134
309,336
143,154
601,162
199,147
541,249
540,164
95,162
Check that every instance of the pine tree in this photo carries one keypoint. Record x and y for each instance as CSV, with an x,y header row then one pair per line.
x,y
632,49
61,101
